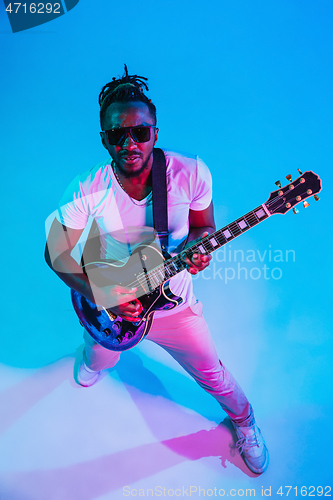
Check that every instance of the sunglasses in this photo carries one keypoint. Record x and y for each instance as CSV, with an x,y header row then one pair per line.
x,y
117,136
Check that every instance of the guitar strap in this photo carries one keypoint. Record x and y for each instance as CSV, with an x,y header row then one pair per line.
x,y
160,204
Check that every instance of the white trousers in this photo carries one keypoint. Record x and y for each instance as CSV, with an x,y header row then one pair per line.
x,y
185,335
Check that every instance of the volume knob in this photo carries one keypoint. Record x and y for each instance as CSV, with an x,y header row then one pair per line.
x,y
116,326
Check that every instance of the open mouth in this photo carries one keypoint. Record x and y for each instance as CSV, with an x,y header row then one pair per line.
x,y
130,158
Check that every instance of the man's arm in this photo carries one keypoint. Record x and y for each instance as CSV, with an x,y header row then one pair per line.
x,y
60,243
201,223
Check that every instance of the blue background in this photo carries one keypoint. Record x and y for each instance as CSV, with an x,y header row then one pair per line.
x,y
245,85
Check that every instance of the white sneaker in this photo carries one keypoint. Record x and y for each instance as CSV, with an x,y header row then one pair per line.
x,y
251,445
85,376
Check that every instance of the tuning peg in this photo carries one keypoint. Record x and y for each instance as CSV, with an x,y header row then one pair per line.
x,y
305,204
300,171
288,177
295,210
316,197
278,183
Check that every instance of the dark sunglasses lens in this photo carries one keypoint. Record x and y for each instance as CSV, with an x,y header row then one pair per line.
x,y
114,136
140,134
117,135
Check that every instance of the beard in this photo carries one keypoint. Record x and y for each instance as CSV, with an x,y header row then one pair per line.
x,y
130,174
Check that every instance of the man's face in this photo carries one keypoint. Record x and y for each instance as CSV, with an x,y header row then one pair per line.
x,y
130,157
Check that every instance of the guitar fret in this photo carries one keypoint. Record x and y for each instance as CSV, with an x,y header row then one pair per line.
x,y
250,219
167,270
203,247
213,242
260,213
174,267
235,229
200,248
242,224
181,264
226,233
221,239
208,246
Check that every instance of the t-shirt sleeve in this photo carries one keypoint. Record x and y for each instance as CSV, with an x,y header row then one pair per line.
x,y
73,211
202,189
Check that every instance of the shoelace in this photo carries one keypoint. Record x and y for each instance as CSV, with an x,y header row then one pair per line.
x,y
247,442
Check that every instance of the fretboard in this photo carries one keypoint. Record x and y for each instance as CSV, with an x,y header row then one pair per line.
x,y
205,246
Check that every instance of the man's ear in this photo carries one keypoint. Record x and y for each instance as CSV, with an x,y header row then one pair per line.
x,y
103,140
156,135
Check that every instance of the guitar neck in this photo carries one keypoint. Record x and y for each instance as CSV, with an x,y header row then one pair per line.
x,y
280,202
207,245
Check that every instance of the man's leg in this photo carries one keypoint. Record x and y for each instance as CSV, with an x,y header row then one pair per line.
x,y
95,359
187,338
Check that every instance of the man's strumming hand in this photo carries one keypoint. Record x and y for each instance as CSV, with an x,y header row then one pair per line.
x,y
121,300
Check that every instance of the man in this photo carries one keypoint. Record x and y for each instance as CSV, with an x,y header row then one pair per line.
x,y
117,194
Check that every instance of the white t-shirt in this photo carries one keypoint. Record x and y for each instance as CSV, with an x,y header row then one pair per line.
x,y
124,222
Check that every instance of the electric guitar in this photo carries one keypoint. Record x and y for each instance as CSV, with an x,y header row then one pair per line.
x,y
150,272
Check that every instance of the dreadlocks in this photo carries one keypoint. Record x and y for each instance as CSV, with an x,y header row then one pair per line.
x,y
129,88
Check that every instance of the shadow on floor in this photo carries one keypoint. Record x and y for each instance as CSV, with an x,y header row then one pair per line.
x,y
91,479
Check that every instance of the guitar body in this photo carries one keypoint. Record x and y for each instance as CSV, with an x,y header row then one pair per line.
x,y
114,332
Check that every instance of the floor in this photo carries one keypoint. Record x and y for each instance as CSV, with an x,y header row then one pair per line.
x,y
146,429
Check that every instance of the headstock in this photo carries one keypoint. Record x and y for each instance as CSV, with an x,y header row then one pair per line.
x,y
287,197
